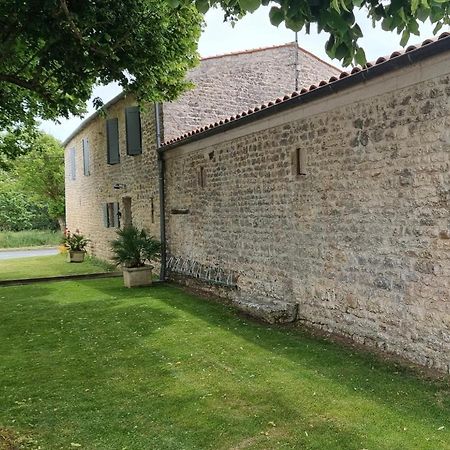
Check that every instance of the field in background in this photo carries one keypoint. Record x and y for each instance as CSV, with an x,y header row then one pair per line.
x,y
29,238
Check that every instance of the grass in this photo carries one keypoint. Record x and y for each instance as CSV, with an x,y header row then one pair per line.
x,y
47,266
30,238
97,366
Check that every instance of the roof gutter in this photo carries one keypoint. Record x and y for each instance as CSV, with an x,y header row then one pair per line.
x,y
389,65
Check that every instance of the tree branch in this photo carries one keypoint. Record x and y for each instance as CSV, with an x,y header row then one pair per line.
x,y
26,84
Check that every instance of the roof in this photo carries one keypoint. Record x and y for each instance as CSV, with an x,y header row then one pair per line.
x,y
93,116
261,49
382,65
118,97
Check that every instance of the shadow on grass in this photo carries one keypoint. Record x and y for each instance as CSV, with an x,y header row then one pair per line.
x,y
159,368
387,382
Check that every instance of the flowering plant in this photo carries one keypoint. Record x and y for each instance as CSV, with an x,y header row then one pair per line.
x,y
75,241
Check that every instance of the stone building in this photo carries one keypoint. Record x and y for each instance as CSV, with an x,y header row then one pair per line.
x,y
99,189
328,206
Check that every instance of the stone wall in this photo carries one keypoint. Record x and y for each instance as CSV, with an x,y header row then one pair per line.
x,y
224,84
360,244
86,194
229,84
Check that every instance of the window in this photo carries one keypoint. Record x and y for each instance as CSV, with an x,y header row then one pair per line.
x,y
72,168
112,141
86,157
152,210
133,128
300,161
111,215
202,177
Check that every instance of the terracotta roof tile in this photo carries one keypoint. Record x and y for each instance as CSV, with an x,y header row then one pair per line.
x,y
322,83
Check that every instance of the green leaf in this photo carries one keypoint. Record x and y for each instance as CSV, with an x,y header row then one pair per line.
x,y
173,3
335,5
422,14
358,3
405,38
413,27
438,26
414,6
276,15
344,6
294,24
250,5
341,51
386,24
202,6
360,56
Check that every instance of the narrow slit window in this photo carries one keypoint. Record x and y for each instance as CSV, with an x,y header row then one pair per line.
x,y
300,161
202,177
152,210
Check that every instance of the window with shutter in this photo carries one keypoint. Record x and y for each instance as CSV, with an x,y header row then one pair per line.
x,y
111,215
105,215
133,129
72,168
86,157
112,141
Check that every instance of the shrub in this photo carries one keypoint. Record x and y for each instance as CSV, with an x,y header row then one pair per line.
x,y
133,247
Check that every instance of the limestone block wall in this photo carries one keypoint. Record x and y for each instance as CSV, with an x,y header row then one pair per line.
x,y
86,194
229,84
361,242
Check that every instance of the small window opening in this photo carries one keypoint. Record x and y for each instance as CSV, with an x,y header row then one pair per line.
x,y
300,161
152,209
202,177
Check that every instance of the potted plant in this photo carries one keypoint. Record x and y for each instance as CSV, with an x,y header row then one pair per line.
x,y
134,250
75,243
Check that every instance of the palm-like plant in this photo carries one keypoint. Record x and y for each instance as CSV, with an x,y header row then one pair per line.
x,y
133,247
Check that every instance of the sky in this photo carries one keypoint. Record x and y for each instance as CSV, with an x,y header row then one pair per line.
x,y
253,31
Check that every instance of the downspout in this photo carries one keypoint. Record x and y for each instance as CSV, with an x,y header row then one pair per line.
x,y
296,63
162,208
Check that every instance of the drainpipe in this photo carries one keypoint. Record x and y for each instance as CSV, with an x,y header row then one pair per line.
x,y
162,208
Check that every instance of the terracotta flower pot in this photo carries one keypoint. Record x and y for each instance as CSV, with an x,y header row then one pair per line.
x,y
137,276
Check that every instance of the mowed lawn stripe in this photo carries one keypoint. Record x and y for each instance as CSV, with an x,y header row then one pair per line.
x,y
105,367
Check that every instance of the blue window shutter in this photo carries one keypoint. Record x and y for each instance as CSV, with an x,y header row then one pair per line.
x,y
86,157
112,139
105,215
133,128
72,168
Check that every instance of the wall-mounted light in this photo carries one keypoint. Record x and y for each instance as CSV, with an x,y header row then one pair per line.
x,y
119,186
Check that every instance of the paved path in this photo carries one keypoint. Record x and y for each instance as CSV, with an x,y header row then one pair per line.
x,y
11,254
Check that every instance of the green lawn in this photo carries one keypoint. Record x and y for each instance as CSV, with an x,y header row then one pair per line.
x,y
93,365
47,266
30,238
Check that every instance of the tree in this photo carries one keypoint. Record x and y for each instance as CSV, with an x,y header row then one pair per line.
x,y
17,211
337,18
53,52
14,144
40,174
